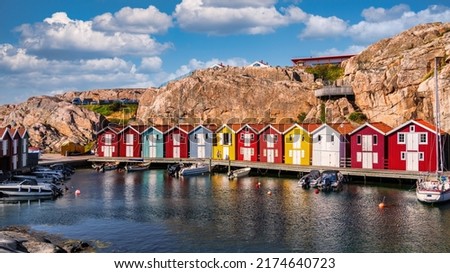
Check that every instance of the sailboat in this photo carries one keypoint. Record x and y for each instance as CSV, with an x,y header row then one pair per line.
x,y
435,188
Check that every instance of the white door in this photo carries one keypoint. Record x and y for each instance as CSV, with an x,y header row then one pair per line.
x,y
247,138
296,156
152,151
367,160
108,151
201,152
296,140
201,139
412,161
270,155
247,153
226,153
270,138
330,158
176,139
367,143
129,151
412,141
176,152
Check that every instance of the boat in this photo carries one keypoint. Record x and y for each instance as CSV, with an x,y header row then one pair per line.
x,y
29,187
174,169
330,180
107,166
137,167
239,173
309,180
39,177
194,169
435,187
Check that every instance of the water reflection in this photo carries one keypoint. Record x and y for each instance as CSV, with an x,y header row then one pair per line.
x,y
152,212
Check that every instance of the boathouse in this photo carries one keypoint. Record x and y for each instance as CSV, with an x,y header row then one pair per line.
x,y
176,144
298,143
15,141
23,147
271,143
201,141
5,152
153,141
369,147
224,143
108,140
412,146
130,144
331,145
247,138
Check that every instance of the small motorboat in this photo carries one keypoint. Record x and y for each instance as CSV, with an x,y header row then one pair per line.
x,y
137,167
194,169
174,169
107,166
309,180
331,180
239,173
29,188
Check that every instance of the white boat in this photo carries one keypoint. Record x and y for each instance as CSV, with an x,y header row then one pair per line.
x,y
137,167
434,187
330,180
40,178
309,180
239,173
195,169
29,188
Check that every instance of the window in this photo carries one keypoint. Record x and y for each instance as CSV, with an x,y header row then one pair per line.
x,y
227,139
423,138
108,139
332,138
358,140
129,139
412,128
358,157
319,137
403,155
252,136
401,138
375,140
421,157
303,137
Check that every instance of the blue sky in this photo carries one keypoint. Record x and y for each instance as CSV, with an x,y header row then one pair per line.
x,y
53,46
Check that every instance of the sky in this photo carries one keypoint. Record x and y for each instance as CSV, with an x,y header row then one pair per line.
x,y
54,46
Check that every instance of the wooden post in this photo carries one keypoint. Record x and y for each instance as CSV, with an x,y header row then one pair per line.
x,y
229,165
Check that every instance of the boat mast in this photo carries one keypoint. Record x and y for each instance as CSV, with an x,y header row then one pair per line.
x,y
439,157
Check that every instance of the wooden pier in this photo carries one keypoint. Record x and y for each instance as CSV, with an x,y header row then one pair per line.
x,y
263,167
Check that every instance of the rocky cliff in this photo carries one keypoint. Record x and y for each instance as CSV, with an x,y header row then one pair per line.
x,y
392,81
231,94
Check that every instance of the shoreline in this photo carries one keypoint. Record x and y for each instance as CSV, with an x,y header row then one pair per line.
x,y
22,239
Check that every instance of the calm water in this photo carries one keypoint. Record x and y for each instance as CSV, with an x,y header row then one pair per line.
x,y
150,212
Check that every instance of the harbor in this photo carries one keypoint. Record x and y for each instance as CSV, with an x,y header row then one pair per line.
x,y
210,213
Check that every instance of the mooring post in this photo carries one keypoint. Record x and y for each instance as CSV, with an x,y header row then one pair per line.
x,y
229,165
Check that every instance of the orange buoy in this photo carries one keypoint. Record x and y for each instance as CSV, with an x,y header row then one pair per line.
x,y
317,191
269,193
381,205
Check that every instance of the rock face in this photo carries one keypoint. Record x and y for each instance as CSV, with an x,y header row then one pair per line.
x,y
51,121
231,94
393,79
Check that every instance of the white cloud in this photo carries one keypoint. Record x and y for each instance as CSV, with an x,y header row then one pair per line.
x,y
324,27
379,23
150,64
373,14
233,17
62,34
134,20
27,75
353,49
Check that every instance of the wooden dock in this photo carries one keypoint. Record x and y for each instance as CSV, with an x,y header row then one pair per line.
x,y
263,167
